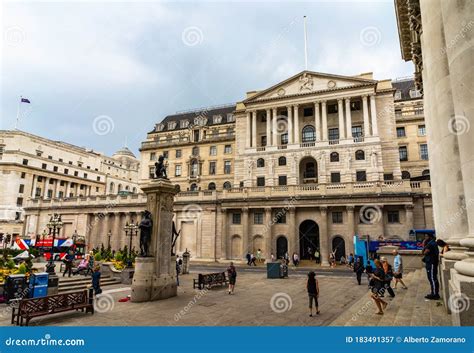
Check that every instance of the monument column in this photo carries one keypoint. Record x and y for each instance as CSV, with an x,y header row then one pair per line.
x,y
365,111
323,237
269,127
325,120
268,233
340,111
290,124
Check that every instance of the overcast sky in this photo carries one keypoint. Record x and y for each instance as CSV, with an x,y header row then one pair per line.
x,y
98,74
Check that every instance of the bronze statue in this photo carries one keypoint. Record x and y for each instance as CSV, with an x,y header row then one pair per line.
x,y
174,237
160,168
146,226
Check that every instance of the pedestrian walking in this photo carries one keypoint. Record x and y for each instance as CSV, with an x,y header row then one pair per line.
x,y
312,286
90,260
387,268
68,261
317,256
259,255
431,260
310,253
376,285
350,260
232,274
369,270
295,259
96,280
249,258
332,259
272,257
398,269
252,260
359,269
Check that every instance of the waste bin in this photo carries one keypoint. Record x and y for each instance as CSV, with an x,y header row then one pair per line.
x,y
39,285
273,270
15,287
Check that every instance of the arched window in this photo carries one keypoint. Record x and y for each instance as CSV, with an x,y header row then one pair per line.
x,y
127,188
309,134
227,185
119,187
112,188
334,157
211,186
359,155
282,161
194,168
193,187
260,163
425,172
134,190
406,175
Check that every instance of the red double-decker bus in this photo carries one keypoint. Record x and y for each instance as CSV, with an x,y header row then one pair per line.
x,y
60,249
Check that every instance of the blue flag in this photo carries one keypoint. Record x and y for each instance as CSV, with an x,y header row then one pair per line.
x,y
24,100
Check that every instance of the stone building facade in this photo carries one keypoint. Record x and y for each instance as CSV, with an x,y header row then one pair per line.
x,y
33,167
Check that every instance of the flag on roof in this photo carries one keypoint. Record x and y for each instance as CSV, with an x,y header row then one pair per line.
x,y
25,100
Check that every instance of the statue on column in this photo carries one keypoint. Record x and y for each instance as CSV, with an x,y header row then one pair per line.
x,y
146,226
160,168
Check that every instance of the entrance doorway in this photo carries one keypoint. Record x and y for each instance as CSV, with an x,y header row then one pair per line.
x,y
282,246
309,239
339,247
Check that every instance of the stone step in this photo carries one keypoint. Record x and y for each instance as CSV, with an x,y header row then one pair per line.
x,y
70,284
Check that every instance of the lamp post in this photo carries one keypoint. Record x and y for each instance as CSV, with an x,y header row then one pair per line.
x,y
109,235
131,230
43,236
54,225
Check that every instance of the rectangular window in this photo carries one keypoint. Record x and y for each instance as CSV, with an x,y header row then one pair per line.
x,y
62,183
51,181
333,134
280,217
50,157
357,131
284,139
21,189
421,130
393,217
178,153
40,179
76,173
337,217
388,176
66,171
177,170
227,149
25,162
38,192
19,202
332,108
236,218
60,194
282,180
260,181
98,178
213,151
335,177
23,175
152,156
55,168
403,153
227,167
50,194
212,168
258,218
401,131
424,151
263,141
85,175
60,159
196,135
165,154
361,175
44,166
307,112
151,172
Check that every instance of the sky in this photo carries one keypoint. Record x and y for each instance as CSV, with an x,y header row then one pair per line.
x,y
101,74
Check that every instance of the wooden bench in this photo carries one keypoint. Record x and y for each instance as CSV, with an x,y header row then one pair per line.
x,y
28,309
209,280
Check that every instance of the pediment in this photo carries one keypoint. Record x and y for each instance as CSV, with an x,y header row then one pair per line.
x,y
308,82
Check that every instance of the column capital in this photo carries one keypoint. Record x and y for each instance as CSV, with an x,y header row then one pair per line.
x,y
268,209
347,99
245,210
223,210
350,208
292,210
323,209
339,100
409,207
323,101
372,95
296,105
317,102
364,95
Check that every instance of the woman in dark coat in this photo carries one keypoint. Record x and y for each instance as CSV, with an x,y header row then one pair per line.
x,y
312,287
359,269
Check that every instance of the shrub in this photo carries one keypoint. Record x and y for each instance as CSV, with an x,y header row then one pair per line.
x,y
10,264
22,269
98,257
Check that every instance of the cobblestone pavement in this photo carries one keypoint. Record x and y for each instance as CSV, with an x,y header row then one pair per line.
x,y
256,301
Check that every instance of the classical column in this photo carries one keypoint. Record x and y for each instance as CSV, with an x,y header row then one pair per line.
x,y
248,141
35,184
274,128
348,118
350,229
245,231
290,130
317,123
297,124
116,232
268,233
340,111
293,238
365,111
409,218
224,245
325,120
254,129
373,115
45,188
323,237
66,192
269,127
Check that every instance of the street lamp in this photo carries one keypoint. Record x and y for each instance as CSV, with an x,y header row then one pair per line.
x,y
43,236
109,235
131,230
54,225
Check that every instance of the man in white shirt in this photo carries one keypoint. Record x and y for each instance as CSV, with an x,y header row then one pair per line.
x,y
398,269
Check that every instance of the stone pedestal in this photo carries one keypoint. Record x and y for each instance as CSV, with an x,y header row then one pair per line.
x,y
155,275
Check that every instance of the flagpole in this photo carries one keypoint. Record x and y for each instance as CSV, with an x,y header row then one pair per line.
x,y
305,45
18,114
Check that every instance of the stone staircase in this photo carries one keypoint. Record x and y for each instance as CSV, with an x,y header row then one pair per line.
x,y
76,283
408,308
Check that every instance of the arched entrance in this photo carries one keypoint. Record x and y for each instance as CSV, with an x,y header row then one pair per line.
x,y
309,239
282,246
339,247
308,171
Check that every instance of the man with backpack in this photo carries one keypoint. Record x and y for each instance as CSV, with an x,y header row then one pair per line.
x,y
431,260
232,274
